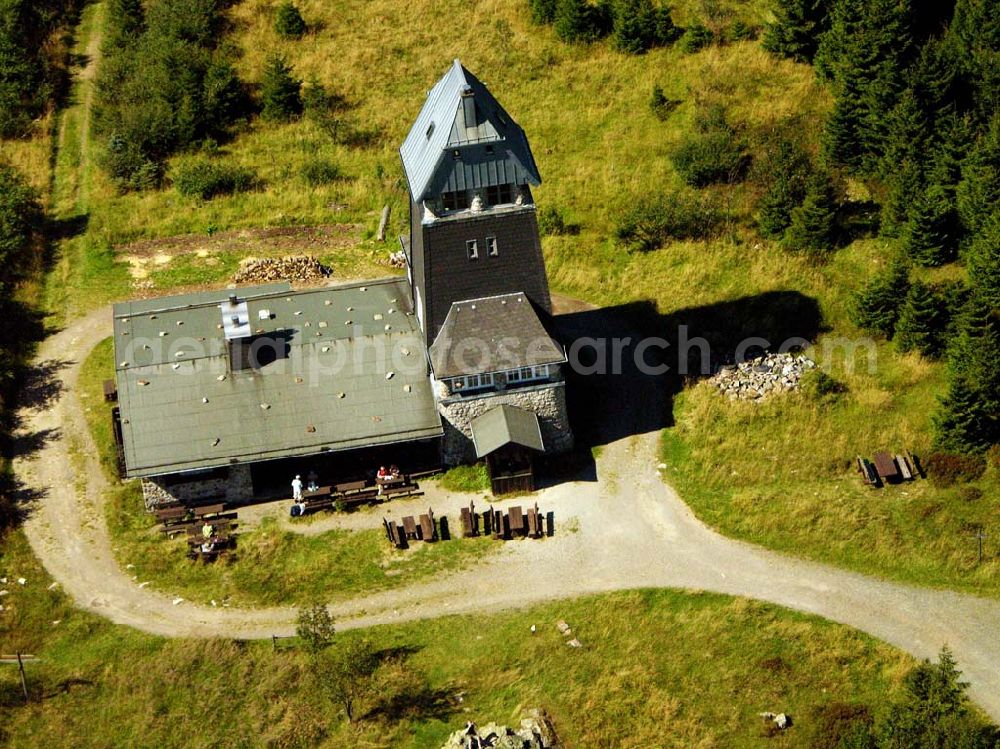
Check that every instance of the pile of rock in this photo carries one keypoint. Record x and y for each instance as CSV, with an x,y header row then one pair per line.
x,y
758,378
536,732
293,268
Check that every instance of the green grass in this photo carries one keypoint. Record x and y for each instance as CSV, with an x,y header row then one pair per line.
x,y
657,668
470,479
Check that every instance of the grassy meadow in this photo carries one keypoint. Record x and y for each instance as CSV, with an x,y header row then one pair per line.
x,y
777,474
656,668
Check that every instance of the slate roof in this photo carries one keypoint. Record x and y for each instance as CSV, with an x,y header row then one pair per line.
x,y
329,389
493,150
505,424
492,334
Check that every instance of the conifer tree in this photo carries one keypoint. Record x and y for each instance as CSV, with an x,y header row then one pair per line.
x,y
281,93
907,135
796,30
125,24
639,25
288,21
785,170
813,224
961,424
922,321
978,192
929,238
901,185
542,11
876,306
984,261
572,20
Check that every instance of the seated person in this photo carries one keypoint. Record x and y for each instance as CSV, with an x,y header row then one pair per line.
x,y
311,481
207,547
207,530
394,471
298,509
382,474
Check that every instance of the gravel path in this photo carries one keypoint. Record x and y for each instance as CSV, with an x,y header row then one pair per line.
x,y
625,530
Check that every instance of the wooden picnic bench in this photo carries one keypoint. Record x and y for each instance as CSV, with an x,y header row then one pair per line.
x,y
171,513
350,486
400,490
885,466
409,527
196,524
318,492
516,518
428,531
110,391
867,471
393,533
205,510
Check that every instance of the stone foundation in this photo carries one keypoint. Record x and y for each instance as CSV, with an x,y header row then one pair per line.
x,y
547,400
236,486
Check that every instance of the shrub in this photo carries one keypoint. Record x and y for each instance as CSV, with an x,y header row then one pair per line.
x,y
20,219
970,493
715,155
833,723
820,386
551,221
647,224
543,11
281,93
288,22
695,37
315,627
320,172
579,21
207,179
741,31
948,469
660,104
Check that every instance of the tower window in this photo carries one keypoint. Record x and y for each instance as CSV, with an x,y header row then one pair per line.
x,y
455,201
491,247
472,249
500,194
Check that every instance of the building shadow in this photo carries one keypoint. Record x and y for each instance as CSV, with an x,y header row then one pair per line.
x,y
627,362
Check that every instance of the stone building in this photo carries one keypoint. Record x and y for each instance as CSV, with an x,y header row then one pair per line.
x,y
225,394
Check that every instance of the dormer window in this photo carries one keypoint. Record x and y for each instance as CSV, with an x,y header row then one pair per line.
x,y
491,247
472,249
500,194
455,201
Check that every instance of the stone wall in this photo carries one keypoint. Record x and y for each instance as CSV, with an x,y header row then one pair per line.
x,y
547,400
234,488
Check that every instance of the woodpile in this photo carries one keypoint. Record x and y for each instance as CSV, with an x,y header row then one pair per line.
x,y
293,268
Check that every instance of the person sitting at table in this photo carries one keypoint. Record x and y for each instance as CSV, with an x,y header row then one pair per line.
x,y
394,471
207,530
207,547
311,480
298,509
382,474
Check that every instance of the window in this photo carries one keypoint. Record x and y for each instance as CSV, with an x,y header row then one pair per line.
x,y
472,249
526,374
489,149
491,247
455,201
473,382
500,194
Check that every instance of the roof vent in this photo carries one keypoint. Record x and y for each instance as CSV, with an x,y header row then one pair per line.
x,y
469,106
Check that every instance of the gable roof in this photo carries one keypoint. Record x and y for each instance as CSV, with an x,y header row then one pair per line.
x,y
329,388
493,148
492,334
505,424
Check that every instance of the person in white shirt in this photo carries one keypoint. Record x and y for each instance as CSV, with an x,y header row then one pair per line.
x,y
297,488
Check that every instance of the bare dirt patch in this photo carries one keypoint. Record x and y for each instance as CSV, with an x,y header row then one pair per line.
x,y
148,254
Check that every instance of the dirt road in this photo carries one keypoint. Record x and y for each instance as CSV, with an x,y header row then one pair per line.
x,y
626,529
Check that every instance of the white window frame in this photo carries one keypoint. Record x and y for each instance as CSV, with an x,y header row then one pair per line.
x,y
492,248
528,374
473,382
472,248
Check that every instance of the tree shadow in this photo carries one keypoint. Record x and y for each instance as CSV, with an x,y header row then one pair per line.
x,y
17,501
40,384
22,445
627,362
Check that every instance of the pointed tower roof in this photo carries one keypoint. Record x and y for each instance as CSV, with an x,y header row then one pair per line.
x,y
461,115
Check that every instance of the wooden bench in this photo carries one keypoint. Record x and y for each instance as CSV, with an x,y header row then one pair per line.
x,y
196,524
350,486
868,474
110,391
428,531
904,468
317,493
204,511
394,533
534,522
402,490
171,514
885,466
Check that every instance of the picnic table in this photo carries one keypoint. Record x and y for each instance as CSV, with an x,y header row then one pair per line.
x,y
317,493
110,391
885,466
350,486
205,510
409,527
516,518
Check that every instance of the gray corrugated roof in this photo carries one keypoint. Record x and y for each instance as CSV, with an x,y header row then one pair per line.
x,y
329,391
505,424
441,128
492,334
